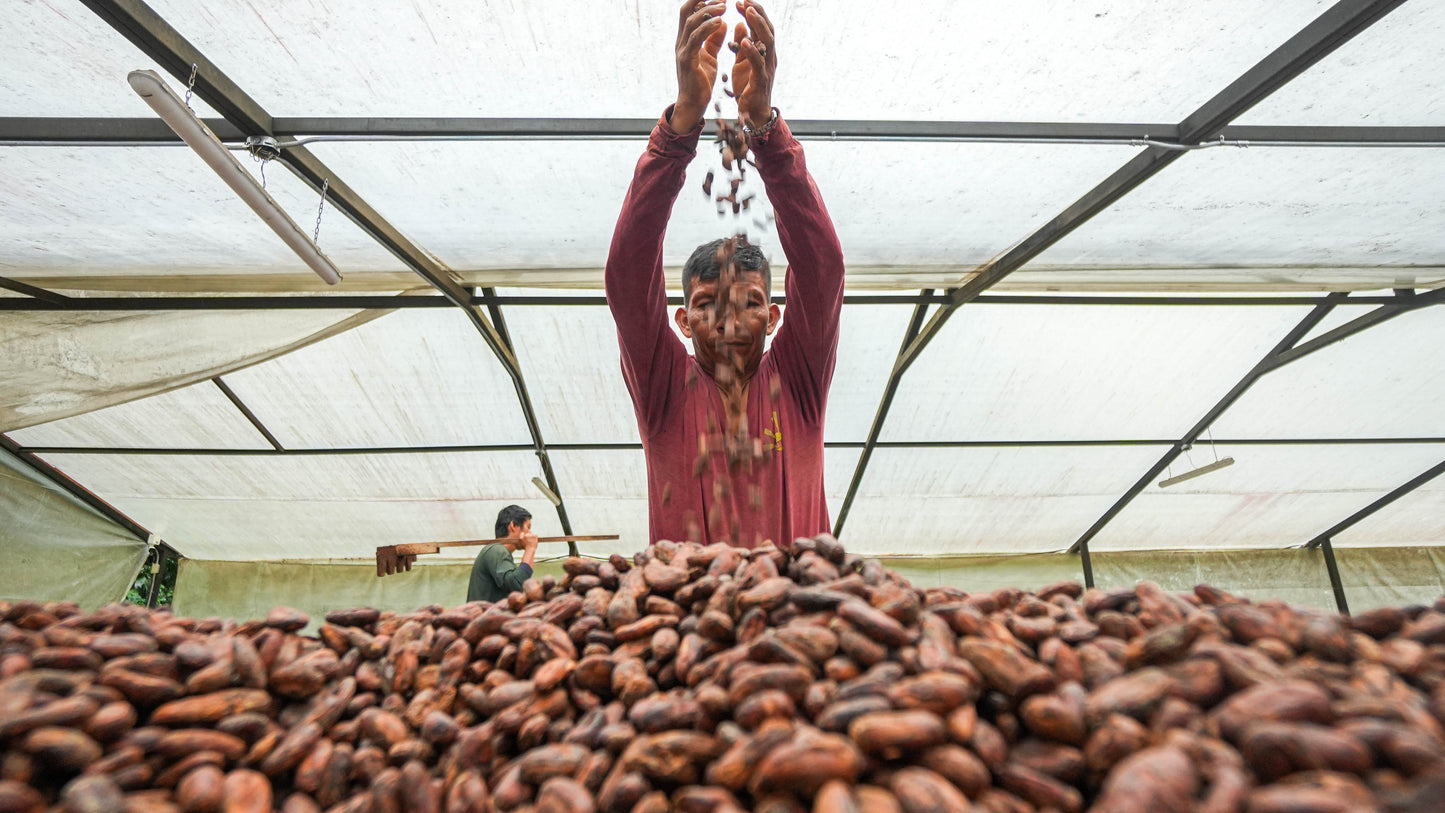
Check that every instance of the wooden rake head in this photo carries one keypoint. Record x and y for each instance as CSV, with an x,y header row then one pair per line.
x,y
397,558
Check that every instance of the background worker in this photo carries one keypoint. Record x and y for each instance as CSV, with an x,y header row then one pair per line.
x,y
494,574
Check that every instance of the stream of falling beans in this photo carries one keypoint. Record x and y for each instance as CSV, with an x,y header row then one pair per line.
x,y
730,452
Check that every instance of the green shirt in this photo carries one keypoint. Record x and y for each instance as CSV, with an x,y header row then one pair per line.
x,y
495,575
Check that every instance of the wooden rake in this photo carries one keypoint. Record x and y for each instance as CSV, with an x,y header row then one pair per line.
x,y
396,558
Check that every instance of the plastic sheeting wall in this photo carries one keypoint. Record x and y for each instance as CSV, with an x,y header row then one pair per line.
x,y
57,365
56,548
1373,577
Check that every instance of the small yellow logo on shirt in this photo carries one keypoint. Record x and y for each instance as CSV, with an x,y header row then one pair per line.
x,y
774,435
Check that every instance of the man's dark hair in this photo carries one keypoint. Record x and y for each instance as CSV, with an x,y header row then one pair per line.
x,y
703,264
509,515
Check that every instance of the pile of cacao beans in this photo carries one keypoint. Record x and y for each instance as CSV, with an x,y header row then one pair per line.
x,y
707,679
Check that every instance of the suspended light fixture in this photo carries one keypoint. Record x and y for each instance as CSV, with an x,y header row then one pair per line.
x,y
181,118
1190,475
547,492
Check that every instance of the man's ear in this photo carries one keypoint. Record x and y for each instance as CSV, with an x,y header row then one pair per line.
x,y
775,315
513,529
681,318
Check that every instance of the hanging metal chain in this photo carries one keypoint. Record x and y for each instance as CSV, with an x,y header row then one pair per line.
x,y
316,235
191,84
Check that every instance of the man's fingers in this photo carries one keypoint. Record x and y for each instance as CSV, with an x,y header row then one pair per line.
x,y
689,14
703,13
758,20
712,34
757,60
702,26
762,31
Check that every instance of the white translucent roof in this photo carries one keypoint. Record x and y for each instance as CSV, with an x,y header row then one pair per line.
x,y
1272,497
1300,206
1384,382
1133,61
1009,500
1093,373
1381,76
1014,431
194,416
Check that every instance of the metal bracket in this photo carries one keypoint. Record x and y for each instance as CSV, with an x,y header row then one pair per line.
x,y
263,148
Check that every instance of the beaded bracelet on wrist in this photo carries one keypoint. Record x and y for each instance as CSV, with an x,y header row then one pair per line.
x,y
761,133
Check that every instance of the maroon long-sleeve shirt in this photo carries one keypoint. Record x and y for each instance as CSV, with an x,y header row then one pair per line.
x,y
676,401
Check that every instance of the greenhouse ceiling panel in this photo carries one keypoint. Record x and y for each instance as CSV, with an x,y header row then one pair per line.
x,y
108,212
930,502
1022,372
1378,384
536,207
1417,518
1318,216
1271,497
198,416
411,378
1388,75
60,59
1030,61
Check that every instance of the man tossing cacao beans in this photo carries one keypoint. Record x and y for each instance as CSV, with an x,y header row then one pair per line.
x,y
733,433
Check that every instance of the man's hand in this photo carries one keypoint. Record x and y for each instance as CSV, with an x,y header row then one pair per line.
x,y
700,32
529,548
757,61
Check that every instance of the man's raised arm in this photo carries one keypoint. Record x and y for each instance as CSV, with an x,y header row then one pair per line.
x,y
807,342
636,284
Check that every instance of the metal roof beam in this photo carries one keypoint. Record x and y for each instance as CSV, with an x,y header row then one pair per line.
x,y
390,302
919,311
1368,320
101,130
1337,585
530,414
246,411
158,40
633,445
39,295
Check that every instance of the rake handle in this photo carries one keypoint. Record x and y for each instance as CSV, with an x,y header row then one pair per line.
x,y
415,548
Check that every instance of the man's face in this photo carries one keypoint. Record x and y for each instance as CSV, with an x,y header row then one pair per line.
x,y
739,335
515,531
